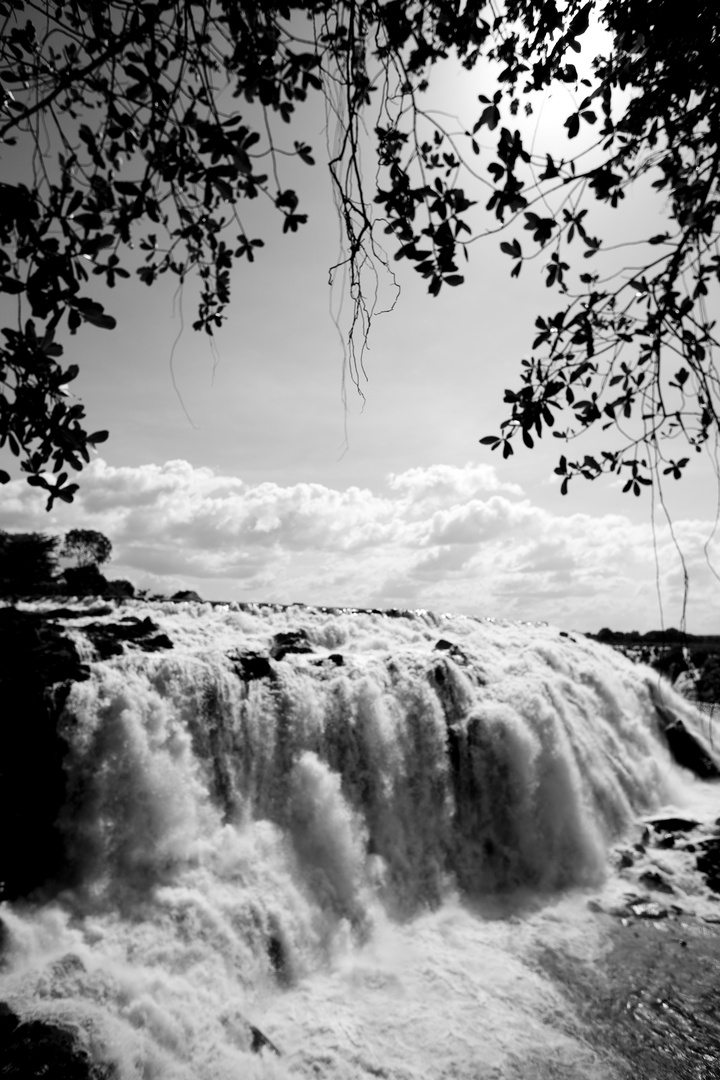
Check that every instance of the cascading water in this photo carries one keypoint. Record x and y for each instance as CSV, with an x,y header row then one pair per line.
x,y
340,829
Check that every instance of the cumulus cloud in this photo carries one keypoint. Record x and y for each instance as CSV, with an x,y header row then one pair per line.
x,y
445,484
442,537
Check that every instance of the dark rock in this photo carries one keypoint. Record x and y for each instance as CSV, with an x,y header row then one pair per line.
x,y
708,843
672,824
39,1048
252,665
107,638
651,879
454,651
157,641
708,862
688,752
37,666
684,747
333,658
666,841
186,595
79,613
261,1042
290,641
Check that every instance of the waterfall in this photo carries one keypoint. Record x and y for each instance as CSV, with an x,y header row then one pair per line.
x,y
297,821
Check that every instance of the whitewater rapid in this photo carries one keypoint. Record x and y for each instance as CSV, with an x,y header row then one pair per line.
x,y
346,830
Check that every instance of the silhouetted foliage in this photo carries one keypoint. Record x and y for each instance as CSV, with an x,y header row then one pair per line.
x,y
28,563
84,581
119,589
87,547
143,129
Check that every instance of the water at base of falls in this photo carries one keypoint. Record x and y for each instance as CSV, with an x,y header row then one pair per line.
x,y
309,843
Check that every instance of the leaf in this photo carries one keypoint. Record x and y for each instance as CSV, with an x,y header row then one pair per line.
x,y
513,249
11,285
573,125
490,116
304,152
97,317
128,187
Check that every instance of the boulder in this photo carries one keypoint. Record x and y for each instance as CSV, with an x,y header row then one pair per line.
x,y
261,1042
652,879
38,1048
144,633
708,862
290,641
672,823
683,746
253,665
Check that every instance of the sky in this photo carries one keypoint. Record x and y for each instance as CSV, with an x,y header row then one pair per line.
x,y
251,469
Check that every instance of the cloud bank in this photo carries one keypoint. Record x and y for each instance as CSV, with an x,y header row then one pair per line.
x,y
443,537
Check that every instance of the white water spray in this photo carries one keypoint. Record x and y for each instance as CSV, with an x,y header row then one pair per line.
x,y
307,844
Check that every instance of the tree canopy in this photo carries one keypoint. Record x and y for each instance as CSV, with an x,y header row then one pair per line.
x,y
143,133
28,563
87,547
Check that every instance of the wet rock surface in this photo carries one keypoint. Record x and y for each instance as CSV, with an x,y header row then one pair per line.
x,y
40,1048
108,638
37,1048
252,665
290,641
653,998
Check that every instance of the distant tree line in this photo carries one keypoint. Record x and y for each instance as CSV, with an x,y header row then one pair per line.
x,y
29,565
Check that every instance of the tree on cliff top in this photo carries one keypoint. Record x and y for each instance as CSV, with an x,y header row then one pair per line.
x,y
28,563
145,131
87,547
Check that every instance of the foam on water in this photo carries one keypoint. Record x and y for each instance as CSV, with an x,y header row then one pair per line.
x,y
333,853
